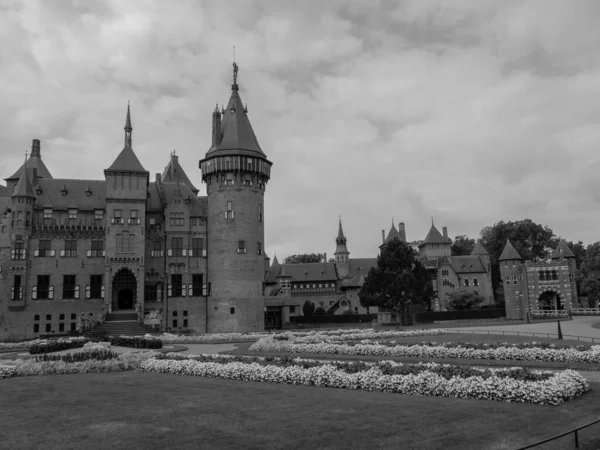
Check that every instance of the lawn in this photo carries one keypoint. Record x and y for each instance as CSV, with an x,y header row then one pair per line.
x,y
147,410
242,349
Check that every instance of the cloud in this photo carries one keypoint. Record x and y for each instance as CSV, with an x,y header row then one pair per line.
x,y
471,112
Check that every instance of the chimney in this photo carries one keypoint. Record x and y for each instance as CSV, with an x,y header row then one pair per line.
x,y
325,257
35,148
445,231
383,236
157,177
216,128
402,231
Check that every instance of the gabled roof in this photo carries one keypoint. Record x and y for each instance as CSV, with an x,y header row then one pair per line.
x,y
358,269
434,237
175,173
467,264
83,194
127,161
562,250
509,252
479,249
180,191
310,271
238,137
24,187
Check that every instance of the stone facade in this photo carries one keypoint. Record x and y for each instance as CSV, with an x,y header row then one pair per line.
x,y
127,244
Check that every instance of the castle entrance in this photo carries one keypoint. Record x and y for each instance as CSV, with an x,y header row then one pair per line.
x,y
124,290
550,301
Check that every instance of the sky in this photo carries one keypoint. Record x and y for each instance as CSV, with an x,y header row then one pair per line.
x,y
470,112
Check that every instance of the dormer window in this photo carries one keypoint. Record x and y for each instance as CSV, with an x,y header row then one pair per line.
x,y
39,191
64,191
47,213
72,214
88,192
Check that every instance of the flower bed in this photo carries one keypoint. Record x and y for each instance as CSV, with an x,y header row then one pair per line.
x,y
56,345
135,342
7,371
96,354
522,352
512,385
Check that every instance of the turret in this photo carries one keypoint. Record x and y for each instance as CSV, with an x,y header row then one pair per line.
x,y
341,252
512,276
23,199
479,250
236,172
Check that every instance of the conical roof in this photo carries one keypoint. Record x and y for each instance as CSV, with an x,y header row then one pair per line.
x,y
393,233
24,188
562,250
340,239
479,249
434,237
238,137
175,173
509,252
127,161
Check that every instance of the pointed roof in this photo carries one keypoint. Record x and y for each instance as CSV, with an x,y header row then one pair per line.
x,y
238,137
562,250
393,233
24,188
127,161
434,237
479,249
340,239
175,173
128,126
34,162
283,272
509,252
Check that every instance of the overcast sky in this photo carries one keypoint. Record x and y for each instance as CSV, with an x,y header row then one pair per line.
x,y
468,111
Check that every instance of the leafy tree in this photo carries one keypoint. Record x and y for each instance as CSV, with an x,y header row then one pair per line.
x,y
305,258
589,274
308,309
462,299
462,245
579,251
398,281
320,311
531,240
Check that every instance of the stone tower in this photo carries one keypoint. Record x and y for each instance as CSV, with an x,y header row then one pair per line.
x,y
236,172
126,194
341,252
563,251
512,276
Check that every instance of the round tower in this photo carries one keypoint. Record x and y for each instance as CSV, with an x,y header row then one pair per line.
x,y
236,172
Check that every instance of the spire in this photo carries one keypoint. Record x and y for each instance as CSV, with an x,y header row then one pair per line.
x,y
24,187
479,249
128,128
341,239
234,86
509,252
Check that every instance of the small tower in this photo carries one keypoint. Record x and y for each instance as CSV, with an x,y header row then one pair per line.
x,y
236,172
479,250
341,253
562,251
512,276
435,244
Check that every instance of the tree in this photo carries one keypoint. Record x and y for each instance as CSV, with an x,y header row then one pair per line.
x,y
305,258
588,275
308,309
320,311
398,281
531,240
462,299
462,245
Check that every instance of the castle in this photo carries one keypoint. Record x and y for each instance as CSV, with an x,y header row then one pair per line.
x,y
127,243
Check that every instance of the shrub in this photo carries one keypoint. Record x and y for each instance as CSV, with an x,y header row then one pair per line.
x,y
308,308
462,299
98,355
320,311
56,345
135,342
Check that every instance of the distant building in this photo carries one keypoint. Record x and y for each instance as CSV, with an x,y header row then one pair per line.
x,y
538,286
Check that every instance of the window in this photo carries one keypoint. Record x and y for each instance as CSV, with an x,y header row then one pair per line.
x,y
174,323
466,281
70,248
185,313
19,250
73,326
542,275
197,281
125,242
48,327
152,221
177,284
36,328
230,181
260,213
177,219
445,272
475,282
61,317
177,245
72,214
48,316
232,310
17,290
98,214
73,316
196,221
97,249
44,247
69,286
47,213
198,247
241,247
292,309
175,313
554,275
258,248
151,293
185,323
229,213
133,213
118,217
95,289
43,286
156,248
61,327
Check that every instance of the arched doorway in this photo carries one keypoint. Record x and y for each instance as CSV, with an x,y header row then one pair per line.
x,y
124,290
550,301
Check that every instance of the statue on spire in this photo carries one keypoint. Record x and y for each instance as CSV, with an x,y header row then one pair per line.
x,y
234,86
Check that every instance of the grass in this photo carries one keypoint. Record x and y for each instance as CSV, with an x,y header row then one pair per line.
x,y
243,349
151,411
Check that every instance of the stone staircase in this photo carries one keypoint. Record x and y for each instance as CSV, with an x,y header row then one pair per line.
x,y
121,323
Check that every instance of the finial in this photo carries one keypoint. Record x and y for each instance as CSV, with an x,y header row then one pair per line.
x,y
234,86
392,222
